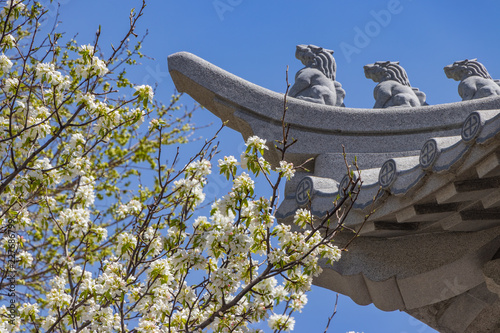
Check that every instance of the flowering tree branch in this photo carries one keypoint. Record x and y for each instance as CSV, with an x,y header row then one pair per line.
x,y
101,227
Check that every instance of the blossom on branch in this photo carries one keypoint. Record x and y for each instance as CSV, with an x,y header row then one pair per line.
x,y
112,232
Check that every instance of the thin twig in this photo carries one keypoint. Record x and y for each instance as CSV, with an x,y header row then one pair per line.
x,y
333,314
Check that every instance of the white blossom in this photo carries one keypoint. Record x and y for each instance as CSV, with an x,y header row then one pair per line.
x,y
286,169
29,310
302,217
48,322
281,322
88,100
133,207
199,168
148,326
102,233
78,166
14,3
228,161
25,259
299,300
136,114
5,64
10,85
47,72
256,142
9,41
77,219
77,140
126,242
86,49
243,183
90,65
58,299
99,67
145,92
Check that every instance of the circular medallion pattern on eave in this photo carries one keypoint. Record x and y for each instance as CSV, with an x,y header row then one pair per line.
x,y
387,174
471,127
304,191
428,154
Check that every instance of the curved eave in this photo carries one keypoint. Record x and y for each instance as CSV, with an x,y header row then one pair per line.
x,y
253,110
456,189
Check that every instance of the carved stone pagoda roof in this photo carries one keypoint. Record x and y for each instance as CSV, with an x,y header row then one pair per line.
x,y
431,177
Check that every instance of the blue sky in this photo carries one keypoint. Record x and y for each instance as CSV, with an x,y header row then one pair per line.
x,y
255,39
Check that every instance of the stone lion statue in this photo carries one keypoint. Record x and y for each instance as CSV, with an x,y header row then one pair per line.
x,y
316,82
475,82
394,88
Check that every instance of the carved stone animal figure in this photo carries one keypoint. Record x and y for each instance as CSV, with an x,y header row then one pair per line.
x,y
394,88
316,82
475,82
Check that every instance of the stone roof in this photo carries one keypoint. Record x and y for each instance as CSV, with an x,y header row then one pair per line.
x,y
430,179
452,184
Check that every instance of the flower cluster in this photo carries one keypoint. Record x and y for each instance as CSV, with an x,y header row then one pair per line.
x,y
286,169
250,159
5,64
46,73
109,236
90,65
133,207
144,94
281,322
